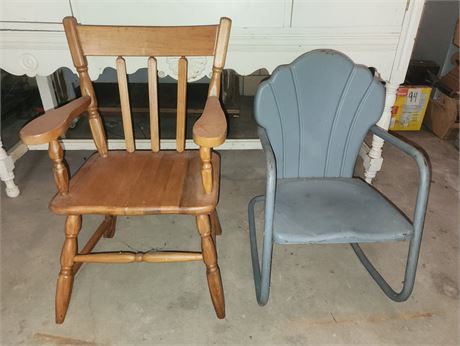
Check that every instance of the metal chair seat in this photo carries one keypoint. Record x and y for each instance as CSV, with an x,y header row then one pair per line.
x,y
335,210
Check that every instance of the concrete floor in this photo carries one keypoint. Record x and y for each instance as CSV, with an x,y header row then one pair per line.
x,y
320,294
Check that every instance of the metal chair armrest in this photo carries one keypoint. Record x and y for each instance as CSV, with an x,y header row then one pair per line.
x,y
270,189
424,175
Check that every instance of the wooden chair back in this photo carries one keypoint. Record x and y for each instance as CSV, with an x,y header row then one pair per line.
x,y
151,42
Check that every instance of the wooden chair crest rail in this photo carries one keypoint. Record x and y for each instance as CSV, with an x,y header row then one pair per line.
x,y
143,182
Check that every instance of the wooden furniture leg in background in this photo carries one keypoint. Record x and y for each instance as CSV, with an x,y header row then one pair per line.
x,y
111,230
208,249
215,223
47,94
215,226
6,173
373,160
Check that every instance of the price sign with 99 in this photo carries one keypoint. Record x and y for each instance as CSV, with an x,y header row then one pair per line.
x,y
413,97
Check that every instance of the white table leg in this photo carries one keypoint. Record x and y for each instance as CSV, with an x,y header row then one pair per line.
x,y
373,161
47,94
48,97
6,173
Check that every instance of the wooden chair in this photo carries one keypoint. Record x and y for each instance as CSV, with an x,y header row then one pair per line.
x,y
131,182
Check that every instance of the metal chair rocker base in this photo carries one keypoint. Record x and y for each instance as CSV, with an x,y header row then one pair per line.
x,y
261,279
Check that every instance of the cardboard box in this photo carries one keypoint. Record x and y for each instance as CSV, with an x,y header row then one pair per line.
x,y
442,116
451,78
409,109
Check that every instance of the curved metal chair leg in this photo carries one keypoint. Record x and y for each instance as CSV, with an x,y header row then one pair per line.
x,y
261,278
409,276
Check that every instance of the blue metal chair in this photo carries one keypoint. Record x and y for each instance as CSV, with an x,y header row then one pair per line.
x,y
313,115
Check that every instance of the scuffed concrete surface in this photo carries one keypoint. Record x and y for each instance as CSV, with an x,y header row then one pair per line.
x,y
320,293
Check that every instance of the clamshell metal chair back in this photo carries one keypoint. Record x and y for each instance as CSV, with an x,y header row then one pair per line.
x,y
114,183
313,115
316,112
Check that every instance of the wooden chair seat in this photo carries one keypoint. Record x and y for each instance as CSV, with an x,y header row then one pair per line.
x,y
139,183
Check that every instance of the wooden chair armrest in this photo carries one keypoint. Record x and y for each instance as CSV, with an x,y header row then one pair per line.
x,y
210,130
53,124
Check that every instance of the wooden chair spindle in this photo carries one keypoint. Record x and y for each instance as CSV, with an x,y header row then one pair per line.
x,y
181,104
61,174
206,169
125,107
153,104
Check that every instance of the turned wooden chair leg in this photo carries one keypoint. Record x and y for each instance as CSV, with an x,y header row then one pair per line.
x,y
212,269
65,278
215,223
111,230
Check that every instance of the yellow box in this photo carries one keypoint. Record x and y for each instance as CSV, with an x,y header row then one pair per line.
x,y
409,108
